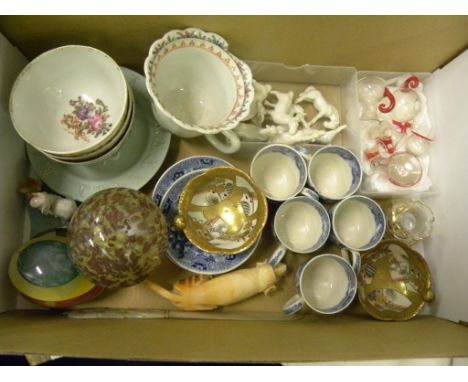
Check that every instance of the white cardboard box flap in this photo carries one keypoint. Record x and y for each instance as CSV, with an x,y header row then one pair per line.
x,y
447,249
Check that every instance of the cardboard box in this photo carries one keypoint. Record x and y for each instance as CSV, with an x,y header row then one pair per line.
x,y
256,331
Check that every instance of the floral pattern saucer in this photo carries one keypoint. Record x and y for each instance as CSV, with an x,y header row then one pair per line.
x,y
182,252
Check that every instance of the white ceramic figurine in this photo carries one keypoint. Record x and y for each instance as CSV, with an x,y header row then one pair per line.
x,y
257,109
325,110
50,204
285,113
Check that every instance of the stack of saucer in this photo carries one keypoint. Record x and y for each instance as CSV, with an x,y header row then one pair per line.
x,y
73,105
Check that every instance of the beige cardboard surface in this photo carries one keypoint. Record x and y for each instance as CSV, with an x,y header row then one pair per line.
x,y
394,43
336,338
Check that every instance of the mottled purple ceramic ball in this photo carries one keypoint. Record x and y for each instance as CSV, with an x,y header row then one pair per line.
x,y
117,237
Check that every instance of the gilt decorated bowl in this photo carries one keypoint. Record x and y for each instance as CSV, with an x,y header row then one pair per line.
x,y
394,282
222,211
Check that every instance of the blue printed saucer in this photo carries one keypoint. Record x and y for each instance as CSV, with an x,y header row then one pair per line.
x,y
182,168
182,252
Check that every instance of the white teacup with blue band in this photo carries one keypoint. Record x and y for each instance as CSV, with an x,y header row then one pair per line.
x,y
358,224
301,225
280,171
334,172
326,283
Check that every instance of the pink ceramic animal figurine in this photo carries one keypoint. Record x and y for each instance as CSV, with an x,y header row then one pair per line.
x,y
204,293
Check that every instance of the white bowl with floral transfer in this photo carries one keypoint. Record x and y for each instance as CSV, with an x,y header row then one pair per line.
x,y
198,87
105,151
69,100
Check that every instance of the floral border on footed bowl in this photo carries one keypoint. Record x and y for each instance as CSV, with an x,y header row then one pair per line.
x,y
193,37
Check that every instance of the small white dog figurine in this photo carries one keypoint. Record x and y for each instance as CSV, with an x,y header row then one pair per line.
x,y
325,110
50,204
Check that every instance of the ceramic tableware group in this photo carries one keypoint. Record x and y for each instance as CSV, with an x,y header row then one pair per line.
x,y
332,173
198,87
181,251
303,225
73,104
133,165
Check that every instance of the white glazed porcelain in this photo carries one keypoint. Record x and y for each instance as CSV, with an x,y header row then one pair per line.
x,y
334,172
301,225
104,146
69,100
108,150
358,223
280,171
327,284
198,87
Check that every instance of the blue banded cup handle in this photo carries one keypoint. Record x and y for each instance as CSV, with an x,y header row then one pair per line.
x,y
293,305
353,258
309,193
277,256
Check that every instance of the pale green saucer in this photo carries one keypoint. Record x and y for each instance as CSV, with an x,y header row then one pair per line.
x,y
133,166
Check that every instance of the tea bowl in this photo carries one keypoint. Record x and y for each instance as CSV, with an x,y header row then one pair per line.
x,y
68,100
222,211
394,282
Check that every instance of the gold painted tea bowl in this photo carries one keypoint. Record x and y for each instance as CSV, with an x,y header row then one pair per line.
x,y
222,211
394,282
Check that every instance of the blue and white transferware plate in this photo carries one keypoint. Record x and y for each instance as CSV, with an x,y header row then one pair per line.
x,y
182,252
181,168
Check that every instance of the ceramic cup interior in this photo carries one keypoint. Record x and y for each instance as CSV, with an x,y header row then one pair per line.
x,y
195,86
358,223
328,284
334,172
302,224
68,100
280,171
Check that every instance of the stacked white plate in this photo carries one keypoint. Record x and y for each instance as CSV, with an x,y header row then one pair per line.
x,y
73,104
